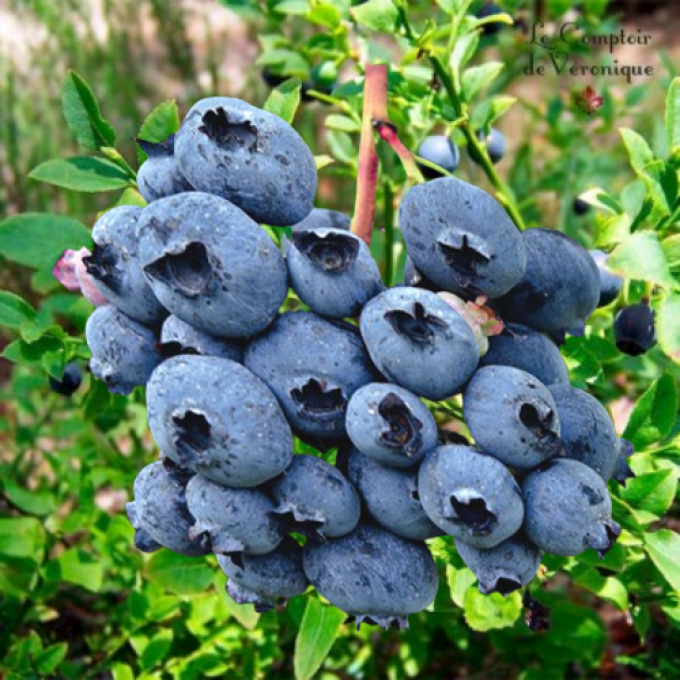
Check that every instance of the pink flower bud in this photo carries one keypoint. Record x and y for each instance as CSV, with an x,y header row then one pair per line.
x,y
71,273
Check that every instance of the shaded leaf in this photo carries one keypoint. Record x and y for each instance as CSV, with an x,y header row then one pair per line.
x,y
320,626
83,118
177,573
654,414
14,310
82,173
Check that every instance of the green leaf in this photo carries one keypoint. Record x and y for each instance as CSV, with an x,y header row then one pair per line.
x,y
156,649
177,573
377,15
30,501
607,588
324,14
14,310
459,581
82,173
322,161
663,547
668,326
491,612
22,537
245,614
33,354
49,659
162,122
463,50
345,123
38,239
599,198
83,118
77,566
673,116
320,626
292,7
652,492
477,78
638,149
641,257
654,414
284,100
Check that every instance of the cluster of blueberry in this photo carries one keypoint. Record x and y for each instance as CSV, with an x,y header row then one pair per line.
x,y
194,287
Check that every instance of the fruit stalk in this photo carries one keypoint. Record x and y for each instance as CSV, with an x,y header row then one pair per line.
x,y
375,116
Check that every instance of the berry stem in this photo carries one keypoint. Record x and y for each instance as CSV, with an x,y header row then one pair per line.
x,y
367,176
503,192
375,116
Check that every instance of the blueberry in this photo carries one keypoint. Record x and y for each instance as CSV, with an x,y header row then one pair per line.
x,y
260,579
216,418
634,331
71,380
587,429
271,78
249,156
390,425
332,271
124,353
418,341
461,238
320,218
114,265
391,497
580,206
211,265
160,514
512,416
560,288
415,279
314,499
178,337
490,9
470,496
528,350
622,472
504,568
495,146
373,575
568,509
313,366
438,149
159,176
231,521
610,284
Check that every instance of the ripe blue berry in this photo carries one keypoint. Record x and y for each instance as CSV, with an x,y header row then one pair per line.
x,y
249,156
313,366
560,288
504,568
70,381
124,353
332,271
634,331
461,238
159,176
568,509
321,218
159,512
115,267
418,341
390,425
261,579
373,575
178,337
391,497
470,496
216,418
528,350
211,265
438,149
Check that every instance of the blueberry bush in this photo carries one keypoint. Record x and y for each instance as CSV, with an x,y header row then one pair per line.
x,y
79,596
